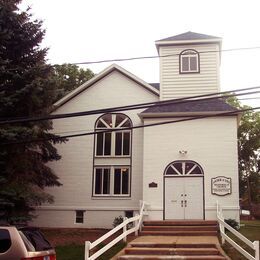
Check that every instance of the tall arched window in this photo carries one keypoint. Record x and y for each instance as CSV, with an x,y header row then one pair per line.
x,y
189,61
117,143
110,178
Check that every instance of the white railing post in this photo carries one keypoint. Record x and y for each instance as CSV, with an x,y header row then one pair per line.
x,y
221,227
124,230
87,249
136,225
136,220
256,246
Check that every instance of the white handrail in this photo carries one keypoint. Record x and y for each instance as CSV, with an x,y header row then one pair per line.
x,y
222,225
137,223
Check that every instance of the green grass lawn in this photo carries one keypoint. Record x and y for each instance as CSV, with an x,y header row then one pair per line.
x,y
251,230
76,252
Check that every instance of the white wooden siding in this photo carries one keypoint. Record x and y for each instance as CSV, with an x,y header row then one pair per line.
x,y
211,142
176,85
75,169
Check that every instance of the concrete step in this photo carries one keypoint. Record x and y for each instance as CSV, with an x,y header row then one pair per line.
x,y
182,228
165,257
180,223
178,233
170,245
172,251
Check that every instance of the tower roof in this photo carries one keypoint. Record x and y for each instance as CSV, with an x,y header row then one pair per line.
x,y
187,36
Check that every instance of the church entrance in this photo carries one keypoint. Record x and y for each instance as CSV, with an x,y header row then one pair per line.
x,y
183,191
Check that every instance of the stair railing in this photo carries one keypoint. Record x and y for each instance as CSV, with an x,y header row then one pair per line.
x,y
223,225
137,221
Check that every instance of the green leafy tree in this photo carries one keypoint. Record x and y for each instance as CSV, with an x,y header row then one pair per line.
x,y
25,90
68,77
249,152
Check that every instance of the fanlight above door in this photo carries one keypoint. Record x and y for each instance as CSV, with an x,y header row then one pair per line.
x,y
183,168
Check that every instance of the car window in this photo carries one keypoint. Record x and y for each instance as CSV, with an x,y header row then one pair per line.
x,y
35,239
5,240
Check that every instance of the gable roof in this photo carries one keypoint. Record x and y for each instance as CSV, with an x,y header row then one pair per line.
x,y
101,75
189,36
192,106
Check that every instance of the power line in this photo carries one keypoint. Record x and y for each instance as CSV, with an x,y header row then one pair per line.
x,y
158,56
146,57
133,107
229,113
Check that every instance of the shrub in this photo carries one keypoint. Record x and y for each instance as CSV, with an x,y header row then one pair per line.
x,y
117,221
233,223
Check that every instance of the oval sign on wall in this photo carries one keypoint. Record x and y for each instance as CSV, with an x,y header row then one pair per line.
x,y
221,185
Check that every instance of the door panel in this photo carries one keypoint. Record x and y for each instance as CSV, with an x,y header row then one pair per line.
x,y
184,198
174,188
194,198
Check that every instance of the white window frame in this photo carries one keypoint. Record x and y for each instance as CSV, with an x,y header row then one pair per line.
x,y
76,216
113,136
189,54
111,181
183,172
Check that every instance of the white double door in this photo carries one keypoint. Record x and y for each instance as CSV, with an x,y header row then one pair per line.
x,y
184,198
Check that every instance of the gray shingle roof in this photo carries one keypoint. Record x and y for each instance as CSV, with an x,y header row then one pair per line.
x,y
212,105
189,36
155,85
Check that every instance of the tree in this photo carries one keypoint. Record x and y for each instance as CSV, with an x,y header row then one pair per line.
x,y
26,89
248,152
68,77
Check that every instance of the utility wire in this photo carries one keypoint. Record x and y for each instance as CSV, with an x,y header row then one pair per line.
x,y
145,57
133,107
158,56
229,113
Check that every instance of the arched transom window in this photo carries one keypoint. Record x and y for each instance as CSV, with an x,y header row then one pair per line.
x,y
183,168
189,61
117,143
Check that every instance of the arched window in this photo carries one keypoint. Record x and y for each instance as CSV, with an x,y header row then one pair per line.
x,y
189,61
117,143
183,168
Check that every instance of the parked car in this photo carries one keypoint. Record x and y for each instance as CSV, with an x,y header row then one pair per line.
x,y
24,243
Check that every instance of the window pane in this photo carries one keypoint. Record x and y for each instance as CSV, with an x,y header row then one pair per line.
x,y
118,144
119,119
117,181
5,240
193,63
36,238
99,144
79,216
106,181
185,63
127,123
108,119
125,181
107,144
170,171
178,167
98,181
126,144
100,124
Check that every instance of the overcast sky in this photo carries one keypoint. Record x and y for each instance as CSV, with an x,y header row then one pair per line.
x,y
84,30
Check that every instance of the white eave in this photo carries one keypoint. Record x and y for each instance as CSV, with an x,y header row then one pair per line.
x,y
183,114
98,77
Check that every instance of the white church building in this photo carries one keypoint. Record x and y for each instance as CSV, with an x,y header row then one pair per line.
x,y
181,169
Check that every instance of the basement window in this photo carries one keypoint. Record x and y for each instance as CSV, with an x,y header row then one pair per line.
x,y
79,216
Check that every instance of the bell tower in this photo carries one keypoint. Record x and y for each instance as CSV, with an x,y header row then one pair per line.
x,y
189,65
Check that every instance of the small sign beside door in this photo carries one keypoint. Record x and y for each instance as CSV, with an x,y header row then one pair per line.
x,y
221,185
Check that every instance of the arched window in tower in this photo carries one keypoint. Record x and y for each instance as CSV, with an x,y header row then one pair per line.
x,y
189,61
114,143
